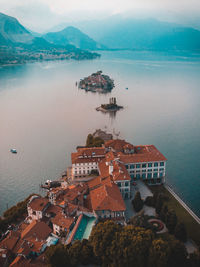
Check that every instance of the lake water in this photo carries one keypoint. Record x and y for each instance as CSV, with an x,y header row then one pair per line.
x,y
44,116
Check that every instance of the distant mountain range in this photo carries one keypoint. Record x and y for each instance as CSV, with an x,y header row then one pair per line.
x,y
113,33
73,36
141,34
12,33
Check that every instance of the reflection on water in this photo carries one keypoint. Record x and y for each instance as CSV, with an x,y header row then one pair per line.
x,y
45,116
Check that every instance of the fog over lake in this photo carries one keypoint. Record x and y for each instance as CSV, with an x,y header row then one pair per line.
x,y
45,116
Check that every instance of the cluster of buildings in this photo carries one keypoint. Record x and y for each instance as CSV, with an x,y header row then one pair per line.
x,y
66,210
97,80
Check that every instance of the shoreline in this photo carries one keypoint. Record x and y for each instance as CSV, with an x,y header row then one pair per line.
x,y
183,204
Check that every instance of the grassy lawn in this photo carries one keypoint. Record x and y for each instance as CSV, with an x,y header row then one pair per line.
x,y
193,228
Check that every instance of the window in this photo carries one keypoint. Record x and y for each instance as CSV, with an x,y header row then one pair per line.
x,y
138,171
162,163
161,174
132,166
149,175
143,170
126,183
155,175
126,189
138,176
137,166
149,170
127,166
132,176
119,184
144,165
155,170
155,164
161,169
144,176
150,165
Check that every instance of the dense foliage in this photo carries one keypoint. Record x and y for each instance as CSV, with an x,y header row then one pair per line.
x,y
13,214
137,202
114,245
94,141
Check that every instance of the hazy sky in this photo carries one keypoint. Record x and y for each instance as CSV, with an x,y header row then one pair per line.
x,y
43,14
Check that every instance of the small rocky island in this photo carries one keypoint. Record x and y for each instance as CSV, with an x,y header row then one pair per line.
x,y
97,82
111,107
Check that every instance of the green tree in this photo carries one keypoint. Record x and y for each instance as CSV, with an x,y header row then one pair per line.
x,y
137,202
159,203
180,232
149,201
89,141
171,221
159,253
163,213
57,256
101,238
130,246
81,252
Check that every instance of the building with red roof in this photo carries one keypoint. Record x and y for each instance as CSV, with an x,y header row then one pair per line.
x,y
85,160
107,201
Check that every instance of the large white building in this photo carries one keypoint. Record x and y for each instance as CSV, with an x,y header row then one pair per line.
x,y
85,160
122,162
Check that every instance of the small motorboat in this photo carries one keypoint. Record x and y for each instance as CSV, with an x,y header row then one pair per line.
x,y
13,150
126,88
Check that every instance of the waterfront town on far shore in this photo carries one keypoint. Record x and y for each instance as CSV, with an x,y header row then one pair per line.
x,y
99,186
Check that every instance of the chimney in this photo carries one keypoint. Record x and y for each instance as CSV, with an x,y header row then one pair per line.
x,y
111,168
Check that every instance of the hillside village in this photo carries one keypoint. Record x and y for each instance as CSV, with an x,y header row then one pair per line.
x,y
69,212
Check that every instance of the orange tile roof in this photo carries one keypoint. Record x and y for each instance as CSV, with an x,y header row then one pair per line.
x,y
117,144
120,172
10,241
18,261
146,153
107,197
36,229
62,220
98,181
85,155
38,203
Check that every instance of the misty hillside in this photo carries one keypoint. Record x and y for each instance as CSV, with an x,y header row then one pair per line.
x,y
73,36
11,31
146,34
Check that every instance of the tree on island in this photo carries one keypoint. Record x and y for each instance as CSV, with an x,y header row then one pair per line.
x,y
94,141
137,202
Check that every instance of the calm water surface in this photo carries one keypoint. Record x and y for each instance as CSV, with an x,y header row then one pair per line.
x,y
44,116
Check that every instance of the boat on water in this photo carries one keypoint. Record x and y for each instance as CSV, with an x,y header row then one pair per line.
x,y
13,150
126,88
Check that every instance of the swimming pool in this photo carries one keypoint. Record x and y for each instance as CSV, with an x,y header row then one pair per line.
x,y
85,228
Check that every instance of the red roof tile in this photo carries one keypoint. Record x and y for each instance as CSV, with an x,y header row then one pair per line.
x,y
36,229
147,153
38,204
107,197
